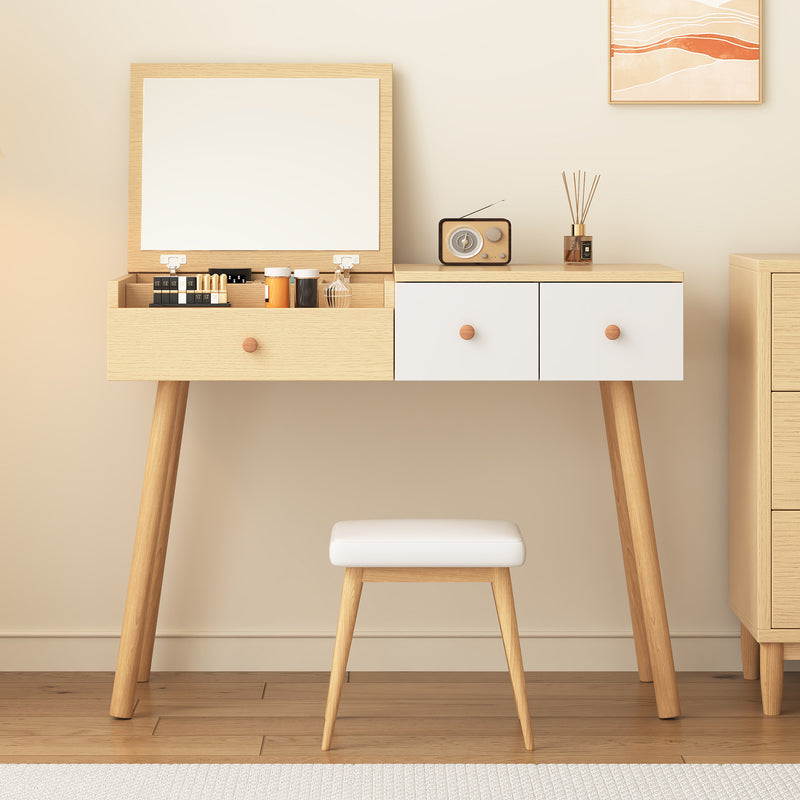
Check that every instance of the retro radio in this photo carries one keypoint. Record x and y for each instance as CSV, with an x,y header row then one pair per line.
x,y
480,240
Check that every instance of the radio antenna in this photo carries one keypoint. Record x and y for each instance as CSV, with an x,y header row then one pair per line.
x,y
482,209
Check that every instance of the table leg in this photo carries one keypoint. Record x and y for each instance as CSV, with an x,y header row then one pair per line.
x,y
628,558
144,548
157,577
749,655
771,677
622,407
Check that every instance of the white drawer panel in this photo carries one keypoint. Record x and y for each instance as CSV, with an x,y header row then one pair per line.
x,y
429,316
574,317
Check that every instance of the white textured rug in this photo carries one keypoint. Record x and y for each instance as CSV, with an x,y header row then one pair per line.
x,y
399,781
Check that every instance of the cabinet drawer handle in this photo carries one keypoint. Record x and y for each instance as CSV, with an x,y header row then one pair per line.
x,y
613,332
466,332
250,345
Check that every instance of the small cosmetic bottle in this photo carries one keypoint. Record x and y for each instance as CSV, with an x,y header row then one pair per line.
x,y
578,246
305,283
276,287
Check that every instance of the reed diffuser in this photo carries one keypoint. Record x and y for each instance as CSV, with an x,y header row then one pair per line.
x,y
578,246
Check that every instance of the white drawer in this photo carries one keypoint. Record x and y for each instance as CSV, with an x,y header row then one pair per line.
x,y
428,318
574,318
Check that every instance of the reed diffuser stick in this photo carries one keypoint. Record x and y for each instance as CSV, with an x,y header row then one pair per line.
x,y
579,199
566,188
583,197
575,189
591,197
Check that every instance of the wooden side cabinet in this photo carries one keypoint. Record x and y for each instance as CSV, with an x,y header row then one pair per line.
x,y
764,428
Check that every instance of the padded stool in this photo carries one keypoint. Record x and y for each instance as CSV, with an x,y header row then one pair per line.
x,y
419,550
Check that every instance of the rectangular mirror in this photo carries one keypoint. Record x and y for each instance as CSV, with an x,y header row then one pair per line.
x,y
260,165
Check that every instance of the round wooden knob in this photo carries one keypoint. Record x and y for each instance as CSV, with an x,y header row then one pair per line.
x,y
249,345
466,331
613,332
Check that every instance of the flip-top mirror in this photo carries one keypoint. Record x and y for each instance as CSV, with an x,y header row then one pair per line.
x,y
260,165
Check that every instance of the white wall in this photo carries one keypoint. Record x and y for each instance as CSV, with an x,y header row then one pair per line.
x,y
518,91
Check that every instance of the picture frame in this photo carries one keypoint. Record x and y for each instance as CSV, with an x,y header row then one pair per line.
x,y
684,51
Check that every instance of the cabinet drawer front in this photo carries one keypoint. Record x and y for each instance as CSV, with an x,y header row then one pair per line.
x,y
786,450
786,569
428,322
786,332
293,344
574,319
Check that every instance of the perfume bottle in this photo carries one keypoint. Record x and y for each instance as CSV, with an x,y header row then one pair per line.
x,y
339,293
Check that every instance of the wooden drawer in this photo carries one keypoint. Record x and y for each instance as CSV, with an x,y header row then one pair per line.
x,y
428,320
786,450
786,569
293,344
574,318
786,332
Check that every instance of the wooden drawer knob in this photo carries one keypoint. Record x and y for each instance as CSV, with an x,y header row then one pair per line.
x,y
249,345
613,332
466,332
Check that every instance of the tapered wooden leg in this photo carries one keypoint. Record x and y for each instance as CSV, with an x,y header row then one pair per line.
x,y
749,655
771,677
144,548
157,577
628,558
351,594
507,616
637,499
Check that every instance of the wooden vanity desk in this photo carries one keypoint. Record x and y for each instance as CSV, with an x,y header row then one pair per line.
x,y
234,180
608,323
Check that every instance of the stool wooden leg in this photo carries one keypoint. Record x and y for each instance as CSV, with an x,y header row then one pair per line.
x,y
749,655
637,499
626,540
351,594
155,479
771,677
157,578
504,601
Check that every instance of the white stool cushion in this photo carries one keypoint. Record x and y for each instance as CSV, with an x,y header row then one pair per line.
x,y
426,543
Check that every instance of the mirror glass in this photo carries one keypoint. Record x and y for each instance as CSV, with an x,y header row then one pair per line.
x,y
260,164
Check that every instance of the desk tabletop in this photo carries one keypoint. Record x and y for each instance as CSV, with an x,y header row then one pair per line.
x,y
535,273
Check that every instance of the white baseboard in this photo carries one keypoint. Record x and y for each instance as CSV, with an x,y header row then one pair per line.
x,y
371,651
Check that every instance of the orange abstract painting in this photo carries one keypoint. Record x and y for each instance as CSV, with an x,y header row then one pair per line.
x,y
685,51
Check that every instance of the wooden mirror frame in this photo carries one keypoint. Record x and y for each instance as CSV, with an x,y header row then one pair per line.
x,y
380,260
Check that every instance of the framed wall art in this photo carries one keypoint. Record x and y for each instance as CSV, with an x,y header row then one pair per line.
x,y
685,51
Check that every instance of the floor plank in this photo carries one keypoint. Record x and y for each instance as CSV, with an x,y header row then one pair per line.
x,y
76,726
465,749
530,677
22,746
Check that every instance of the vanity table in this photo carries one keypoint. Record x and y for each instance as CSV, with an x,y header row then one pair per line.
x,y
607,323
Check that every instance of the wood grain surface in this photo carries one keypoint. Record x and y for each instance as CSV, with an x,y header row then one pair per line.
x,y
392,717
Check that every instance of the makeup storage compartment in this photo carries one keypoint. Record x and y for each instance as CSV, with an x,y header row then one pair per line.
x,y
355,343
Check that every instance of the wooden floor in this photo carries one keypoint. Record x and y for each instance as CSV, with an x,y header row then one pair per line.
x,y
391,717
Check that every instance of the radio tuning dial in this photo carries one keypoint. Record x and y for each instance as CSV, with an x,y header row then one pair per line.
x,y
465,242
494,234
